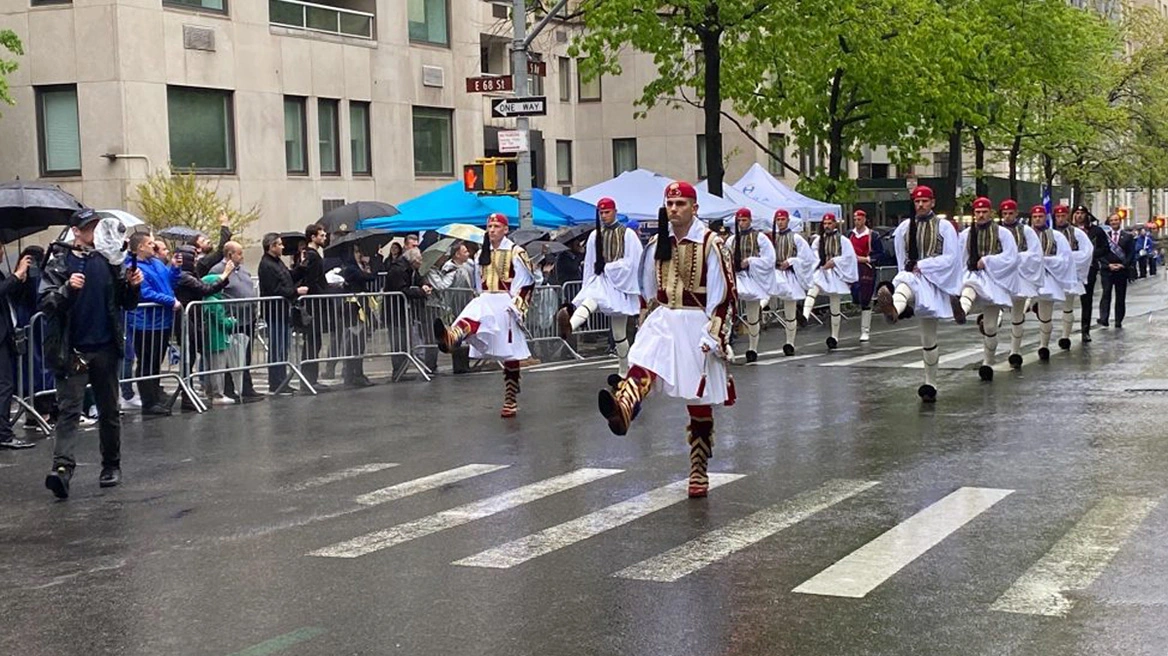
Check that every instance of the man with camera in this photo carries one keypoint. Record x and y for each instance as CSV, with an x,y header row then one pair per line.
x,y
84,295
9,352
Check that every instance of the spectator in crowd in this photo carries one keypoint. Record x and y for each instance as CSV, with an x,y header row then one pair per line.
x,y
1113,269
152,323
453,270
238,386
356,319
190,289
217,327
10,289
276,280
570,264
395,251
1144,247
83,296
37,378
310,273
208,257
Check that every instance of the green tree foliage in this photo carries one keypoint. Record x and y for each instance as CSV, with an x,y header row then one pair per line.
x,y
179,198
11,43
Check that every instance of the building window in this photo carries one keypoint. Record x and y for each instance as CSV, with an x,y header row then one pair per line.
x,y
624,155
703,170
58,134
564,162
202,136
428,21
535,82
565,79
777,144
41,3
433,141
872,171
209,5
329,136
315,17
941,164
588,91
359,141
295,136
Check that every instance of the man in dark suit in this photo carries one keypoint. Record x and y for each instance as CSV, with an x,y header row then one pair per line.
x,y
310,273
1114,268
1084,221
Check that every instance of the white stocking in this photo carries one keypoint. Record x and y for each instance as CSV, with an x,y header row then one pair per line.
x,y
809,302
1017,321
968,296
790,308
836,316
580,316
989,325
753,322
929,351
1045,327
902,298
620,335
1068,317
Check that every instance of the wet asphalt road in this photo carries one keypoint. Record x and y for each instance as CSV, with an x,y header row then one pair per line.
x,y
1024,516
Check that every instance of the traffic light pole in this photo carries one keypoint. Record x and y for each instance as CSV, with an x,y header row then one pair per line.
x,y
519,71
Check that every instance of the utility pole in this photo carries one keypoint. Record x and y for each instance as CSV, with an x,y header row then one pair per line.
x,y
519,71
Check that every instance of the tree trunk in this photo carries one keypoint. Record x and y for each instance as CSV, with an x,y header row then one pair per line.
x,y
835,161
712,107
953,175
1048,177
979,150
1151,204
1016,151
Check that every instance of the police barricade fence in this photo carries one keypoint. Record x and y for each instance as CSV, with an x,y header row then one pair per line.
x,y
598,322
540,320
350,328
151,358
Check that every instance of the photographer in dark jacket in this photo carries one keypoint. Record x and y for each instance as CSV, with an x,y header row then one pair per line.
x,y
84,296
404,275
10,288
207,258
188,289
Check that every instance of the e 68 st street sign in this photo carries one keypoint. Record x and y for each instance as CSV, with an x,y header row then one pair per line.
x,y
510,107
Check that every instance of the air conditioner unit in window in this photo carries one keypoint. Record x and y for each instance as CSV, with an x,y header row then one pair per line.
x,y
500,11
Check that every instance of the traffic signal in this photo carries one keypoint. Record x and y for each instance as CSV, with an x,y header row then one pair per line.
x,y
1159,222
490,176
1122,212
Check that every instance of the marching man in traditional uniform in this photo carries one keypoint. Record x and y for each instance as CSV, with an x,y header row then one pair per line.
x,y
1082,254
493,322
684,343
795,264
612,263
835,273
753,256
869,250
1030,274
929,280
990,256
1057,267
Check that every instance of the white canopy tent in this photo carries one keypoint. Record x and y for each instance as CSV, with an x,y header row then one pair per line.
x,y
763,187
763,213
638,195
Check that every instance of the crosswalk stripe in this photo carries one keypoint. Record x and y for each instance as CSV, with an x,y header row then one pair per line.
x,y
792,358
864,569
1077,559
384,539
976,353
426,483
870,356
558,367
736,536
333,477
548,540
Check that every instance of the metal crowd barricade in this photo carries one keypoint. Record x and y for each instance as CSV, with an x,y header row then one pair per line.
x,y
361,327
541,317
597,322
231,336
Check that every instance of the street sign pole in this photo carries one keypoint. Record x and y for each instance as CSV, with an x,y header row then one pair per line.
x,y
519,70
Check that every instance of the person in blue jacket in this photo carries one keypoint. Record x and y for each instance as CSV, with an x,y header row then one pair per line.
x,y
151,322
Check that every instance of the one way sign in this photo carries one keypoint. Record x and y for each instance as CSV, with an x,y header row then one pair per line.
x,y
508,107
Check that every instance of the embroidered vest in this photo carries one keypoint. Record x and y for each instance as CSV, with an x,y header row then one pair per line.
x,y
1069,232
497,276
861,244
982,242
613,242
929,240
749,245
1019,232
681,281
1046,238
830,245
785,246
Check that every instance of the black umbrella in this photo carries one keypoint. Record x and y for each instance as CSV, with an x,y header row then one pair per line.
x,y
29,207
573,233
527,235
369,240
180,233
346,217
547,247
292,240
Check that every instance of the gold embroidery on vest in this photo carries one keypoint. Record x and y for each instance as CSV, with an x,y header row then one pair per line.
x,y
497,275
683,273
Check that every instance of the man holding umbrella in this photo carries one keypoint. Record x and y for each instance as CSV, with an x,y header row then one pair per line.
x,y
84,295
492,324
612,262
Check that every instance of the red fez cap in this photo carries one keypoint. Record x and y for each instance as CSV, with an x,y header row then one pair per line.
x,y
982,203
860,213
742,212
1038,209
681,189
782,214
1008,204
1062,209
606,204
496,217
921,191
828,215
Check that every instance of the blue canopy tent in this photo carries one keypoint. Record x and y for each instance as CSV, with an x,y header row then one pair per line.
x,y
451,204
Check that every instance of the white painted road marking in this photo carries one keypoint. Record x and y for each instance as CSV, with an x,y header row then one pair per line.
x,y
571,365
791,358
368,468
871,356
864,569
974,353
384,539
1076,560
426,483
548,540
718,544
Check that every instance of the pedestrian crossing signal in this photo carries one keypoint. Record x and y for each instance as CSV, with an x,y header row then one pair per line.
x,y
1159,222
1122,212
488,176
